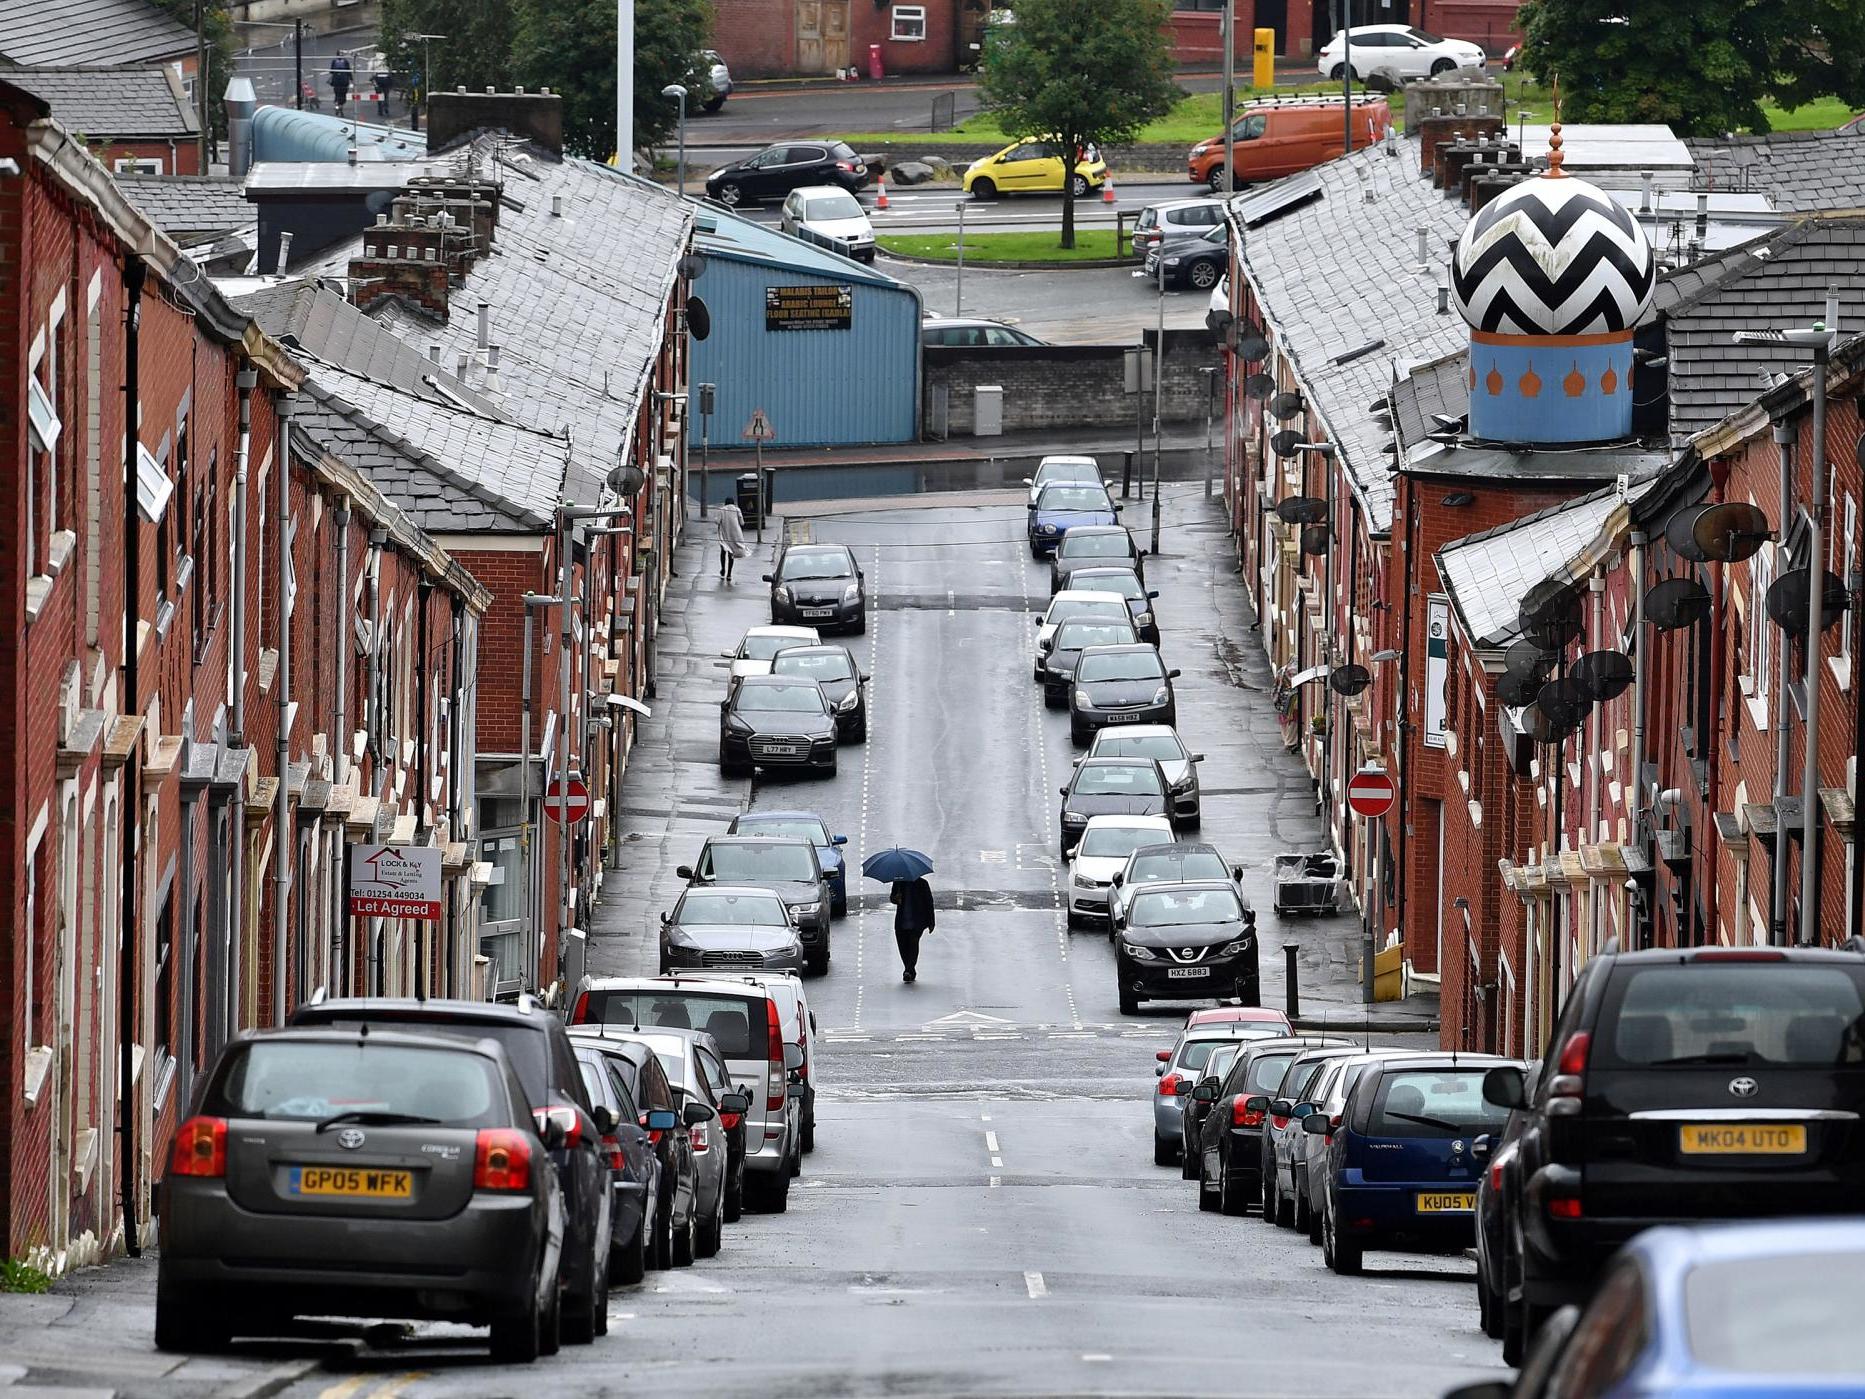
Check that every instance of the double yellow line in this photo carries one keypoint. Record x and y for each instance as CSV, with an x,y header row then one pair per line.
x,y
358,1386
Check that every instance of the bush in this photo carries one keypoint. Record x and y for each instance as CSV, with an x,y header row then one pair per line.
x,y
19,1276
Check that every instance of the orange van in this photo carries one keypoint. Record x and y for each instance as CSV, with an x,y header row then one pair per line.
x,y
1278,137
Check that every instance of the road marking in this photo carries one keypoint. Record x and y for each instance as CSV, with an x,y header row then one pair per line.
x,y
990,1143
996,1181
1095,1356
346,1388
398,1386
998,1162
621,1316
1037,1287
984,1117
958,1019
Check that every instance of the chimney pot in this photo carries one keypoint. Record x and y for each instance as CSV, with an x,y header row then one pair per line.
x,y
485,324
460,87
382,220
1444,299
352,154
492,356
520,89
491,91
460,361
433,350
284,250
556,206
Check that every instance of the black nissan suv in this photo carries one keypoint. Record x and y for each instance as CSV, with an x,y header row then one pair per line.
x,y
1682,1085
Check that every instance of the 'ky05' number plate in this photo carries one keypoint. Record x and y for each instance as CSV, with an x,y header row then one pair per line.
x,y
1743,1139
353,1182
1446,1202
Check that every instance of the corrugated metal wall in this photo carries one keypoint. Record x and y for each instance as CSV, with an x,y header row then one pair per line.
x,y
818,387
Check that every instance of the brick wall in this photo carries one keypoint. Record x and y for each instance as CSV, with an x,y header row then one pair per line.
x,y
1072,386
755,37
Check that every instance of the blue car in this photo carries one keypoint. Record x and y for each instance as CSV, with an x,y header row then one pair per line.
x,y
1712,1311
803,825
1062,505
1402,1160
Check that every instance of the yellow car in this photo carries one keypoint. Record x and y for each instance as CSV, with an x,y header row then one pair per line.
x,y
1032,167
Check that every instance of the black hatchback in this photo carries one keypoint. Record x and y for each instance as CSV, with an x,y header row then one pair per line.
x,y
1682,1086
776,170
820,586
1111,787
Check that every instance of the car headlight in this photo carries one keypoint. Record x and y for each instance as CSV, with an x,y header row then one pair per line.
x,y
1138,953
1159,695
1174,261
1046,529
781,593
851,593
850,700
1201,150
813,906
1073,818
1231,949
1082,700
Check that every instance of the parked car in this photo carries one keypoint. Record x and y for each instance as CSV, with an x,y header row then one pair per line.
x,y
1399,1166
746,1022
1062,506
830,217
702,1087
797,1023
1397,51
1495,1212
1110,787
1093,546
1301,1159
787,867
535,1042
803,825
1682,1085
1194,1106
1075,604
1230,1146
1178,1070
1280,137
634,1166
1127,583
1160,742
1034,167
1119,685
1251,1020
844,684
1288,1105
776,170
1179,942
1174,218
329,1172
1107,842
715,80
974,333
760,645
1733,1309
1182,862
819,585
776,721
726,927
1200,262
1074,471
1071,639
659,1117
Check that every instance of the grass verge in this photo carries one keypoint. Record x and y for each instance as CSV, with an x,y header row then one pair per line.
x,y
1091,245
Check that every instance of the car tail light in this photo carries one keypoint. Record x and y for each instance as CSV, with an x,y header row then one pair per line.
x,y
501,1160
774,1090
1739,954
1564,1207
697,1132
1495,1176
565,1117
1243,1115
612,1148
803,1068
200,1148
579,1015
730,1120
1169,1086
847,165
1568,1086
654,1133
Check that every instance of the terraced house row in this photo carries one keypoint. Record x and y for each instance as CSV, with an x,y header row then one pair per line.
x,y
1529,475
274,545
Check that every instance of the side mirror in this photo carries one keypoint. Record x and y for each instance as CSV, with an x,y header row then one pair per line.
x,y
603,1118
840,840
1205,1092
695,1112
1164,1056
1256,1103
1119,879
1029,480
1236,871
1184,1087
768,578
1316,1124
684,871
1303,1110
666,918
661,1120
734,1102
793,1056
1172,674
1481,1147
1153,593
865,677
1503,1087
1117,509
1281,1107
1197,757
550,1130
1062,790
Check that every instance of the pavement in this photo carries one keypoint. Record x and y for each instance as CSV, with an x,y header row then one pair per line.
x,y
981,1215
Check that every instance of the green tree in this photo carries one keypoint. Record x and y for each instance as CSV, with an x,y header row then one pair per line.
x,y
477,49
213,18
1704,67
1080,75
569,47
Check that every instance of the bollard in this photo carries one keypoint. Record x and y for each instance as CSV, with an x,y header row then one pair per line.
x,y
1290,975
1126,475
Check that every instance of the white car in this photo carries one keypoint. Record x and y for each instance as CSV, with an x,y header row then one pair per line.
x,y
831,218
1069,605
754,653
1070,470
1162,743
1105,845
1399,50
1220,295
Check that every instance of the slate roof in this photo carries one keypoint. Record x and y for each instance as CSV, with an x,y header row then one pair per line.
x,y
1440,386
719,234
119,101
1340,272
1801,172
1488,574
191,208
66,33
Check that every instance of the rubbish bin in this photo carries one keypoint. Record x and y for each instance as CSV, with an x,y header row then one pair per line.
x,y
987,411
748,503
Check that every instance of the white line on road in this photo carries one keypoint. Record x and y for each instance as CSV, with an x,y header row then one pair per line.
x,y
990,1143
1095,1356
998,1162
1037,1287
996,1181
984,1117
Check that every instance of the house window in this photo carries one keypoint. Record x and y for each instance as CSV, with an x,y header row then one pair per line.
x,y
41,459
909,23
138,165
1758,681
164,980
1844,563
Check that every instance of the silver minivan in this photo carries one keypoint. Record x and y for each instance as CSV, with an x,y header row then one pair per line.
x,y
1172,219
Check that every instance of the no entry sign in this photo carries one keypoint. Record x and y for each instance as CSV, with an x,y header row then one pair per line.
x,y
1371,792
567,801
395,881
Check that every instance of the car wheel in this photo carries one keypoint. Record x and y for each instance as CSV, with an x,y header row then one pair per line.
x,y
1215,180
1230,1198
1304,1215
1164,1153
684,1240
587,1316
1129,1003
1208,1199
1285,1208
809,1133
1202,275
1191,1167
517,1338
187,1325
1443,65
1485,1311
1334,73
860,625
661,1255
735,1194
712,1230
629,1262
550,1336
1078,186
983,189
838,908
731,195
1269,1199
1077,735
1051,700
773,1195
714,104
1341,1255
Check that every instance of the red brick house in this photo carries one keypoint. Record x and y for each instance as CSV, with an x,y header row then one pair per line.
x,y
135,119
806,38
1303,26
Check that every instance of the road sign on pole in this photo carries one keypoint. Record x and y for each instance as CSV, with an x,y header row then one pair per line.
x,y
759,429
1371,792
395,881
567,801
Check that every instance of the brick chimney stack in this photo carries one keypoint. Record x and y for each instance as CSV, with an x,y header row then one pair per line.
x,y
413,257
535,116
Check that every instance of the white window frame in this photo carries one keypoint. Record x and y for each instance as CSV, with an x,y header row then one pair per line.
x,y
137,165
1759,681
909,15
1843,562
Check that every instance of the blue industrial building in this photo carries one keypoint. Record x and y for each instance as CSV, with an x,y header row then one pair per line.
x,y
827,347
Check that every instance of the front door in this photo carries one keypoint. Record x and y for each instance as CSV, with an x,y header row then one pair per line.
x,y
834,35
821,36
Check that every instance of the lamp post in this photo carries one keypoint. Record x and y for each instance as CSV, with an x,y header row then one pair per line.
x,y
675,92
427,75
1229,26
1159,388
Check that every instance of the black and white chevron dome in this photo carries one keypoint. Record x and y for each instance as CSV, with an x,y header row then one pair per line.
x,y
1553,257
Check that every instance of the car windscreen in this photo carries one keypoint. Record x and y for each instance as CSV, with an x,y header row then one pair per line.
x,y
1122,665
1787,1315
523,1044
817,665
1434,1103
1117,780
832,206
1113,744
1195,1054
1733,1014
762,864
1078,609
1111,581
781,699
1116,842
1096,546
762,648
815,563
1066,497
1169,908
791,827
740,910
1067,471
1077,636
305,1081
1161,869
1266,1072
739,1023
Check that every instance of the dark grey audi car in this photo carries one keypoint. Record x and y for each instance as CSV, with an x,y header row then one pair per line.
x,y
773,721
362,1173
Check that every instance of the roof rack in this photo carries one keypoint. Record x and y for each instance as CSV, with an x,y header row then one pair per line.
x,y
1308,99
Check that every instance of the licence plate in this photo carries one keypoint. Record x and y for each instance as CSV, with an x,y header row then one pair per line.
x,y
780,750
1178,973
1446,1202
357,1182
1743,1139
819,612
1121,718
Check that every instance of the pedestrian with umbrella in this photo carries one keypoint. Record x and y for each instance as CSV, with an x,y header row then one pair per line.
x,y
912,898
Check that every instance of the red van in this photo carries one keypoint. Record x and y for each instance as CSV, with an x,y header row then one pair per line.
x,y
1278,136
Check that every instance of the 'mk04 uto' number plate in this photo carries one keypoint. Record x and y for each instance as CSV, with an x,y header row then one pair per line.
x,y
1743,1139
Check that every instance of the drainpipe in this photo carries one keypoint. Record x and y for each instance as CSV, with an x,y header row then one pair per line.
x,y
340,726
281,814
1784,445
134,272
378,536
1596,585
424,975
1641,655
1806,931
247,380
456,746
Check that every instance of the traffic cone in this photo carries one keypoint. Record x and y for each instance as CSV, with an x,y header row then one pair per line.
x,y
880,191
1107,188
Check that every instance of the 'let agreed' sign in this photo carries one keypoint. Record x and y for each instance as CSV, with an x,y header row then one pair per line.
x,y
394,881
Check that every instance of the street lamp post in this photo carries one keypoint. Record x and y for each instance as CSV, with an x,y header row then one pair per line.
x,y
1159,388
1230,94
958,285
677,93
427,75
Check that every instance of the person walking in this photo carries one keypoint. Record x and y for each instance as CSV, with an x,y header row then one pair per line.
x,y
340,75
913,919
732,546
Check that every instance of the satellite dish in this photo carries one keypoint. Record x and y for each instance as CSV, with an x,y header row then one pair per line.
x,y
1518,691
1563,702
1302,510
1730,533
1677,602
1286,406
1258,387
1349,680
692,267
1787,600
1550,615
1315,540
1284,443
1602,675
1858,451
1217,320
1680,531
627,479
698,318
1251,347
1545,729
1529,661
